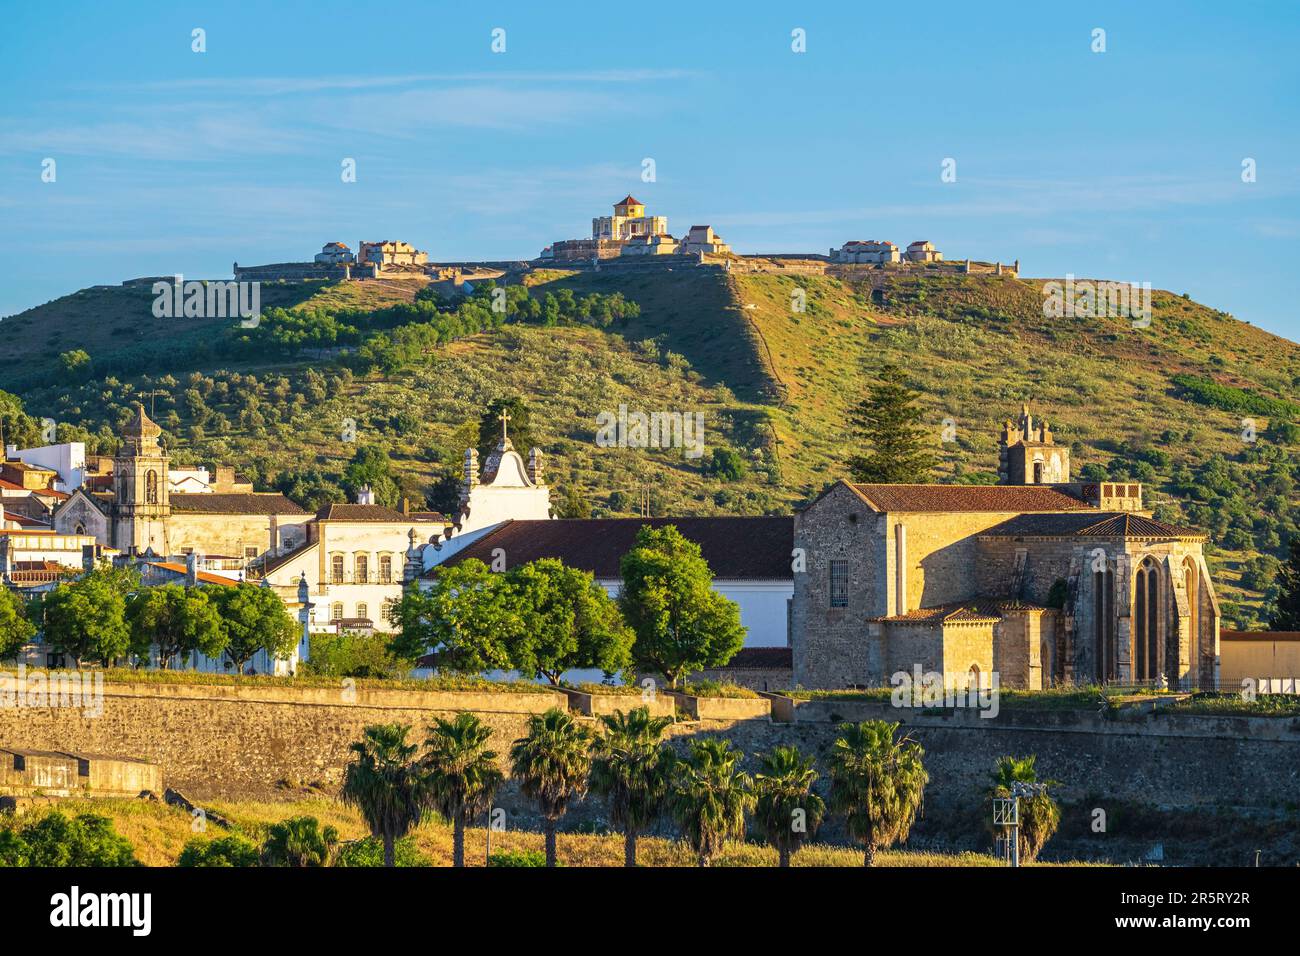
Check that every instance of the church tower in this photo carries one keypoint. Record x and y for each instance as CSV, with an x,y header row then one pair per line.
x,y
505,489
141,503
1029,455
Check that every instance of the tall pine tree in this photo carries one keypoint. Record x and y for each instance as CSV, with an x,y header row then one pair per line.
x,y
887,422
1286,617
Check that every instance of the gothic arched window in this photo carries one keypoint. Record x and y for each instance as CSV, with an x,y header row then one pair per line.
x,y
1103,614
151,487
1146,622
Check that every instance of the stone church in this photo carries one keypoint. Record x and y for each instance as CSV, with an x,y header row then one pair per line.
x,y
1038,579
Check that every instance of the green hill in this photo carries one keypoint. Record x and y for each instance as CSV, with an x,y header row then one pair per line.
x,y
1164,404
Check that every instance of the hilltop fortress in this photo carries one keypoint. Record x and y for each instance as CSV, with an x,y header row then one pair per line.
x,y
630,238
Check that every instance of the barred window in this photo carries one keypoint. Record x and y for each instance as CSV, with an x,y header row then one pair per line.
x,y
839,584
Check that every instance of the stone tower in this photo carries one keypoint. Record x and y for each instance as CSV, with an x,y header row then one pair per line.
x,y
1029,455
141,502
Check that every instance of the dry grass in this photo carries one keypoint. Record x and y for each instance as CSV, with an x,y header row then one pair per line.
x,y
159,833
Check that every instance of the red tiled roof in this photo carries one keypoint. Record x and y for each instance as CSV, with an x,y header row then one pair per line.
x,y
975,611
753,549
203,576
236,503
341,512
969,498
629,201
1094,525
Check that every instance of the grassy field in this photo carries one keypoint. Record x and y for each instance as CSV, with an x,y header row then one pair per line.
x,y
159,833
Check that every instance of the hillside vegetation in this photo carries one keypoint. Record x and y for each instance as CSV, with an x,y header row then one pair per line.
x,y
1197,405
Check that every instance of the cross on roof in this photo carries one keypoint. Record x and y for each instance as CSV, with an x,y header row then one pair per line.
x,y
505,417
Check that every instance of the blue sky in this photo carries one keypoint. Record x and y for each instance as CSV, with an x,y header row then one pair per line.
x,y
1124,164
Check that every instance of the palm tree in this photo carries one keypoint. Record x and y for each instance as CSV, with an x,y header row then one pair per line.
x,y
1039,814
786,809
630,766
552,764
387,785
709,797
299,842
877,782
463,774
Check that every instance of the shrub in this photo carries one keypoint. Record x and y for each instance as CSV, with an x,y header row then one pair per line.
x,y
227,851
370,852
518,858
54,840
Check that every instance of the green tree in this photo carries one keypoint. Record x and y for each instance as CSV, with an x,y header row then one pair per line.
x,y
15,627
572,505
1039,814
1286,613
387,784
75,364
16,426
565,621
463,773
519,426
630,769
227,851
786,810
176,620
709,796
467,616
726,464
681,624
254,619
887,422
86,618
552,764
86,840
877,782
371,467
299,842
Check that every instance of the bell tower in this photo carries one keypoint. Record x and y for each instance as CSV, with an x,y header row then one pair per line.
x,y
141,501
1028,453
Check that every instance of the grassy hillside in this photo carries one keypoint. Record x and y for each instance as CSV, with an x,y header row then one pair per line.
x,y
1163,404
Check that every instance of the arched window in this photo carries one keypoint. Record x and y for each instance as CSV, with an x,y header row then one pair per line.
x,y
973,676
336,569
336,611
1038,472
363,570
151,487
1103,612
1192,581
1146,622
386,568
363,611
79,529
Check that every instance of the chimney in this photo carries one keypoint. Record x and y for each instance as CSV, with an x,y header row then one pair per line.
x,y
406,506
191,570
365,496
88,557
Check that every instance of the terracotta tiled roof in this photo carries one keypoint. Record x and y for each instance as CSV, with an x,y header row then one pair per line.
x,y
975,611
629,201
958,498
236,503
746,549
760,658
340,512
1088,525
202,576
